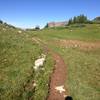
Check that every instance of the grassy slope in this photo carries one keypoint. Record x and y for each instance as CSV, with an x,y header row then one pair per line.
x,y
83,66
83,72
17,56
89,33
18,52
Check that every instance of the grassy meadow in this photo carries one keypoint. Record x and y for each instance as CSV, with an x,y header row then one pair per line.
x,y
18,53
83,66
17,76
89,32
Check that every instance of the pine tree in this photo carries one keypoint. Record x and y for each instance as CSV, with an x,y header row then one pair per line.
x,y
37,28
1,22
75,19
70,21
78,19
46,26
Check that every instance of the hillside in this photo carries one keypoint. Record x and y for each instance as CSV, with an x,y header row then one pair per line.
x,y
80,49
17,56
71,52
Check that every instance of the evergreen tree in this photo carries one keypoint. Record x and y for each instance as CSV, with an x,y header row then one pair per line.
x,y
70,21
78,19
1,22
37,28
46,26
82,19
75,20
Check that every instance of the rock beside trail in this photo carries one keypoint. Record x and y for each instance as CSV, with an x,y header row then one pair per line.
x,y
60,88
39,62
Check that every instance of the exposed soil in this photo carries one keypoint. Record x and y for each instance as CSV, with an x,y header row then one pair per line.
x,y
58,78
59,75
77,43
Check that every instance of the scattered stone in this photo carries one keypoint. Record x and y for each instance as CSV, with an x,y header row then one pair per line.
x,y
42,69
47,84
19,31
5,60
34,84
39,62
43,55
60,88
4,29
76,45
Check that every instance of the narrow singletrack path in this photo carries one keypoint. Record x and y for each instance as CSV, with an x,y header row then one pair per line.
x,y
57,89
57,85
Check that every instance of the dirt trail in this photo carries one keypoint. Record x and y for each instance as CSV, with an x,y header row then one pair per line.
x,y
57,90
58,79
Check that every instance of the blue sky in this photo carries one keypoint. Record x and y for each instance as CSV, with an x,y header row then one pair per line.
x,y
29,13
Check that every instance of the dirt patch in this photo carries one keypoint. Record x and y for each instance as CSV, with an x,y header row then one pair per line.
x,y
57,89
58,79
78,44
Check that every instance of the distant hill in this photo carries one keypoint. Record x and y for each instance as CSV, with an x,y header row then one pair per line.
x,y
7,25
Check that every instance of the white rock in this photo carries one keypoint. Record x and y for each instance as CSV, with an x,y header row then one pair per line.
x,y
76,45
19,31
4,29
34,85
39,62
60,88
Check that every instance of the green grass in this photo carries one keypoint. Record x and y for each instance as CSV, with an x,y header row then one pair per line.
x,y
90,32
17,55
42,79
83,65
83,73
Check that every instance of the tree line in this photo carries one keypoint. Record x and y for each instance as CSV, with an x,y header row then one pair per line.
x,y
6,24
79,20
